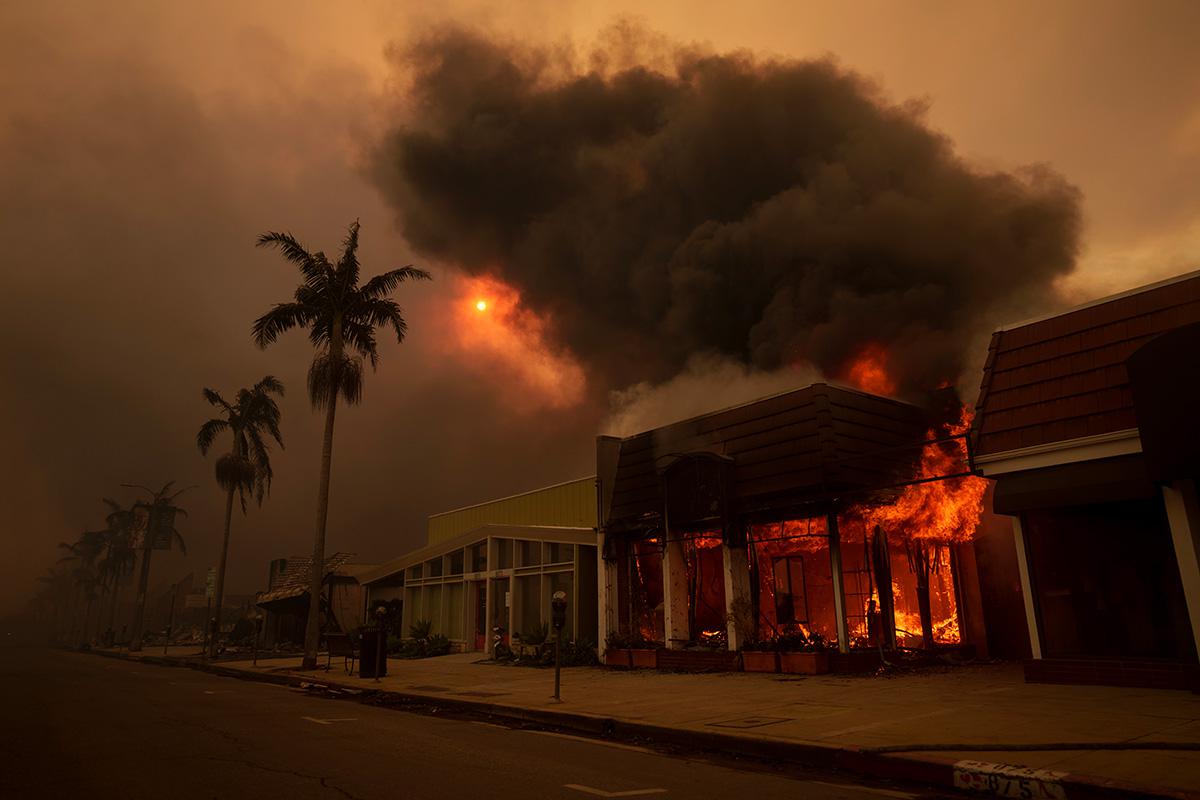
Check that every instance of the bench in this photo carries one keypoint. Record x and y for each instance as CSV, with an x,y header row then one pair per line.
x,y
340,644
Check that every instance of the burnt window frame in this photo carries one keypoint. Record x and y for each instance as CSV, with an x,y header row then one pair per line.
x,y
794,618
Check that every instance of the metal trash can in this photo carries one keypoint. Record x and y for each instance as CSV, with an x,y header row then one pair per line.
x,y
369,645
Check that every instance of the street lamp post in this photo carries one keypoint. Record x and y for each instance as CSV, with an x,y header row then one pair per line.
x,y
258,626
558,618
381,646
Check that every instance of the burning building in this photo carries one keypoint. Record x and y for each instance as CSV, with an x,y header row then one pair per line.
x,y
824,516
1086,421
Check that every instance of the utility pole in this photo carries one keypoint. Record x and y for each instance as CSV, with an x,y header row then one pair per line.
x,y
171,618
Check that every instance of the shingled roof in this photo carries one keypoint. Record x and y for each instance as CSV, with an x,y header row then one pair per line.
x,y
293,581
1063,377
799,446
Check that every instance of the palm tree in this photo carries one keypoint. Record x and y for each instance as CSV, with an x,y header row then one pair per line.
x,y
83,553
55,592
341,318
158,532
120,554
247,465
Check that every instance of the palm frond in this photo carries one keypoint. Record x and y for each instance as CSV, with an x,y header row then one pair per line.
x,y
311,264
383,311
283,317
208,433
385,284
214,398
327,379
347,266
361,337
269,384
234,472
351,385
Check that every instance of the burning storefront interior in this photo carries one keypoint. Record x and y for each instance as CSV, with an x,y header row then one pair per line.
x,y
823,520
1086,421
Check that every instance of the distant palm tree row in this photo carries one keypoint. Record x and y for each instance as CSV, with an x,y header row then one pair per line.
x,y
341,317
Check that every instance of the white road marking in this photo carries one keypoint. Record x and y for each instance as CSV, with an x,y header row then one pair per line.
x,y
602,793
586,740
218,691
330,721
491,725
872,789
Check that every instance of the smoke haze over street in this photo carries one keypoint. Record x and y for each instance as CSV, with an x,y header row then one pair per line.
x,y
672,200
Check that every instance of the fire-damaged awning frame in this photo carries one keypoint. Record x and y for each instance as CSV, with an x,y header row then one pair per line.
x,y
818,504
824,451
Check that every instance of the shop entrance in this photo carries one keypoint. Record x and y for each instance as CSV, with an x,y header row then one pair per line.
x,y
479,604
500,602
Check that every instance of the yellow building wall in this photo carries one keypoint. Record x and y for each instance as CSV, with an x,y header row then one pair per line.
x,y
571,505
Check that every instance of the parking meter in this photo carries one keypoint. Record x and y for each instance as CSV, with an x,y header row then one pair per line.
x,y
558,609
558,618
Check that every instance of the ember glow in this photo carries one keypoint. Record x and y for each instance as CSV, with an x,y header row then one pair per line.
x,y
869,371
510,343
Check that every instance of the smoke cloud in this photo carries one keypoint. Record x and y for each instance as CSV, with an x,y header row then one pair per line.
x,y
661,201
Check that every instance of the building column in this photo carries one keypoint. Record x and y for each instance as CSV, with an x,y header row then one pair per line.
x,y
675,594
606,584
737,587
1035,636
1183,515
839,590
489,603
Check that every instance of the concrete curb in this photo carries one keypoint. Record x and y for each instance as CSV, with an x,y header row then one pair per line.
x,y
963,776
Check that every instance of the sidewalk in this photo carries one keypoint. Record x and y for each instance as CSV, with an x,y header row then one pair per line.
x,y
841,720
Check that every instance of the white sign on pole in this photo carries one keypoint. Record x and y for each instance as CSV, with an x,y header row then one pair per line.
x,y
210,583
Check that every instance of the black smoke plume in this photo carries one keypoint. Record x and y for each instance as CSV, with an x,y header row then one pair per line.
x,y
665,201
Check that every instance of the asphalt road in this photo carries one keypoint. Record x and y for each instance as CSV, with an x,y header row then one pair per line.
x,y
78,725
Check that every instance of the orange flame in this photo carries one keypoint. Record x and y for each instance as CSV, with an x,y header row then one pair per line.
x,y
506,340
940,511
869,370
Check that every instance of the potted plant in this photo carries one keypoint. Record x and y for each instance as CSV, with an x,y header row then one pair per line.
x,y
760,656
803,655
617,651
642,652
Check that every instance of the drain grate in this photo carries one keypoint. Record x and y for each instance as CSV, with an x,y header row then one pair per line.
x,y
750,722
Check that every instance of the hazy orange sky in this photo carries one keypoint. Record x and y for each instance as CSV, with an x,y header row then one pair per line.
x,y
144,145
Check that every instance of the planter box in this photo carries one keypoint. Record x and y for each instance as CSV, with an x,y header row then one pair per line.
x,y
760,661
645,659
618,657
804,663
697,660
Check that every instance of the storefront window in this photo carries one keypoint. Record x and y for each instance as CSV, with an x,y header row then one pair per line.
x,y
793,556
504,553
791,596
479,557
640,573
557,553
529,553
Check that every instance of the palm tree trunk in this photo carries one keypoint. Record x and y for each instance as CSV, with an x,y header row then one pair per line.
x,y
112,608
312,632
220,594
139,611
87,619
